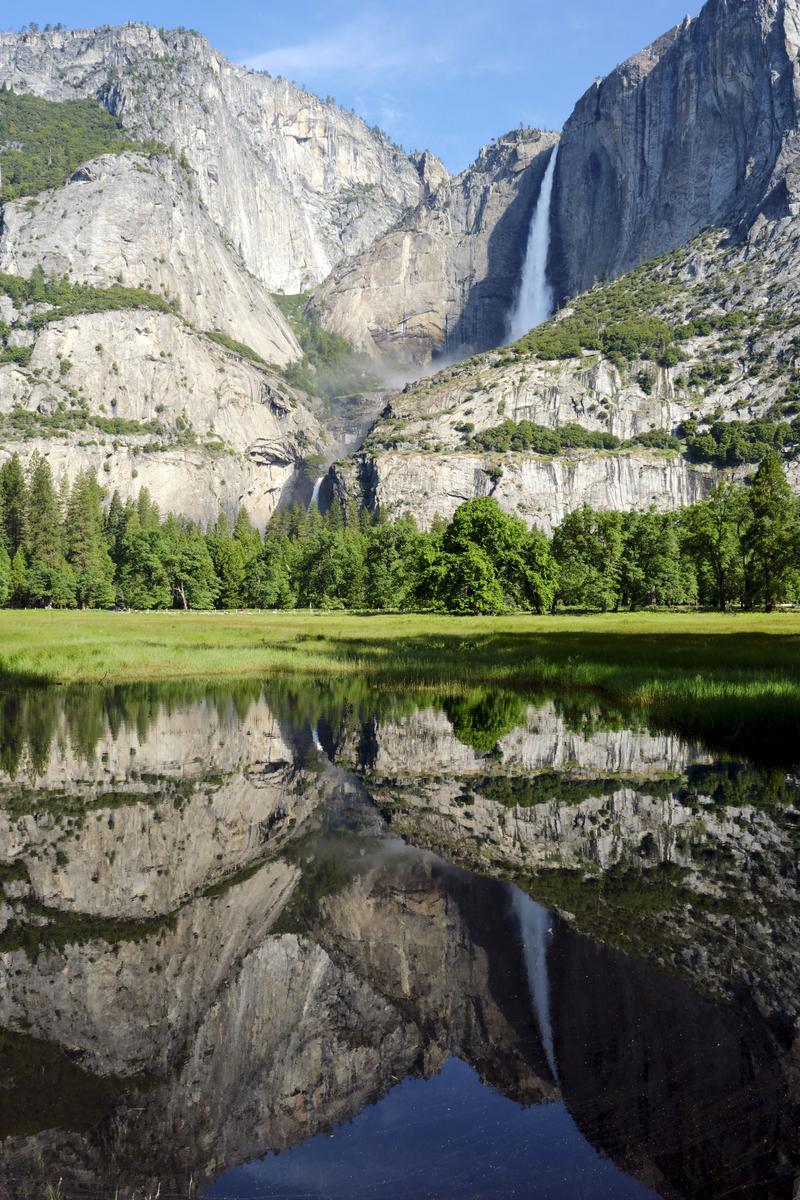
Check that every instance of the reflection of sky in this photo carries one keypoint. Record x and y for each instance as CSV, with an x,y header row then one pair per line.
x,y
447,1138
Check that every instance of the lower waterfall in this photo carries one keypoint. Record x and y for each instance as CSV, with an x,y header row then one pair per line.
x,y
534,303
315,494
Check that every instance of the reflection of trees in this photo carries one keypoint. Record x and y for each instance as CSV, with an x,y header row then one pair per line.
x,y
480,719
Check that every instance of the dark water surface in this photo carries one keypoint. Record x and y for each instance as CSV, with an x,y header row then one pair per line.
x,y
309,940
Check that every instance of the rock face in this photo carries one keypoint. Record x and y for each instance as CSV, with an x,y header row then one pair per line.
x,y
442,283
206,428
695,131
294,183
542,491
138,220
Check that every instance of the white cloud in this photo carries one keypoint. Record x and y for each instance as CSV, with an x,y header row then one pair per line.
x,y
360,49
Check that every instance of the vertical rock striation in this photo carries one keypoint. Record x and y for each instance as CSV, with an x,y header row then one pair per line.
x,y
697,130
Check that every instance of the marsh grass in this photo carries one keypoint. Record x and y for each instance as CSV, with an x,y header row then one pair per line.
x,y
731,680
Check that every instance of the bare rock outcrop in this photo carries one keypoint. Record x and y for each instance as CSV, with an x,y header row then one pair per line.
x,y
542,491
443,282
293,182
696,130
153,403
137,220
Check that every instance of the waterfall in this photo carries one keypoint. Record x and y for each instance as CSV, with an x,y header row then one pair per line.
x,y
315,494
534,303
534,926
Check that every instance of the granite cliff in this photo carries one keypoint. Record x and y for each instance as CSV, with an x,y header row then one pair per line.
x,y
233,186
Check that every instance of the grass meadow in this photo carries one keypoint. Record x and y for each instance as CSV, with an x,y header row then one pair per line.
x,y
731,680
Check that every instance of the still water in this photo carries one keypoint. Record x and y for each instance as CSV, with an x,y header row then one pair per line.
x,y
305,940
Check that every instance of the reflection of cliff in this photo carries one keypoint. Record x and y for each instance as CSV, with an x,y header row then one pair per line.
x,y
414,961
640,839
688,1096
430,741
221,956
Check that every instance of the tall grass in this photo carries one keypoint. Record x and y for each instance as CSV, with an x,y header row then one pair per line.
x,y
735,678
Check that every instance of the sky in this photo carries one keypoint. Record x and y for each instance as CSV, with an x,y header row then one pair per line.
x,y
443,75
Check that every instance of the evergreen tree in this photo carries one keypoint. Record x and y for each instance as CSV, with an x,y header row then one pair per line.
x,y
228,560
5,576
18,590
50,582
14,496
143,578
85,544
269,583
772,535
148,516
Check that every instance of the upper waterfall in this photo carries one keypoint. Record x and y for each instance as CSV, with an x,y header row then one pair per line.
x,y
534,303
534,927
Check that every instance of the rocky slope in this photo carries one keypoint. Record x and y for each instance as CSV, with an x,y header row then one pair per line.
x,y
729,310
137,220
442,282
258,186
293,182
255,185
147,401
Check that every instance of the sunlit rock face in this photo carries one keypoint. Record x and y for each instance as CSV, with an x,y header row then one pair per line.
x,y
541,491
648,159
443,281
293,182
137,217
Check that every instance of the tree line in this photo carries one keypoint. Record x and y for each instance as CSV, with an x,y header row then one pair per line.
x,y
68,547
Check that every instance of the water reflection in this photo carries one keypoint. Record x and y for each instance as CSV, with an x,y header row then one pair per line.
x,y
286,918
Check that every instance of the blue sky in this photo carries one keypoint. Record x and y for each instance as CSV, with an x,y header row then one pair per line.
x,y
447,75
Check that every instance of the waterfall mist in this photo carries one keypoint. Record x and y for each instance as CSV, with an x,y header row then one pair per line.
x,y
534,303
534,926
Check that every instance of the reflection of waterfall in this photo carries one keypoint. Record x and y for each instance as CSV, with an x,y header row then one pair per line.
x,y
315,494
535,300
534,927
315,738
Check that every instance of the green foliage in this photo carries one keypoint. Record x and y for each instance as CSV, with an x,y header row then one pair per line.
x,y
528,437
540,439
740,546
772,537
623,321
239,348
488,562
42,142
732,443
329,367
60,297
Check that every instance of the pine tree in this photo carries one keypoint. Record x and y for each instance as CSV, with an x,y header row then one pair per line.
x,y
18,590
5,576
14,494
147,511
85,544
50,583
772,536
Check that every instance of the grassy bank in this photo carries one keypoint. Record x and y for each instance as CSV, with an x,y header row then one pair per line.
x,y
731,682
640,651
